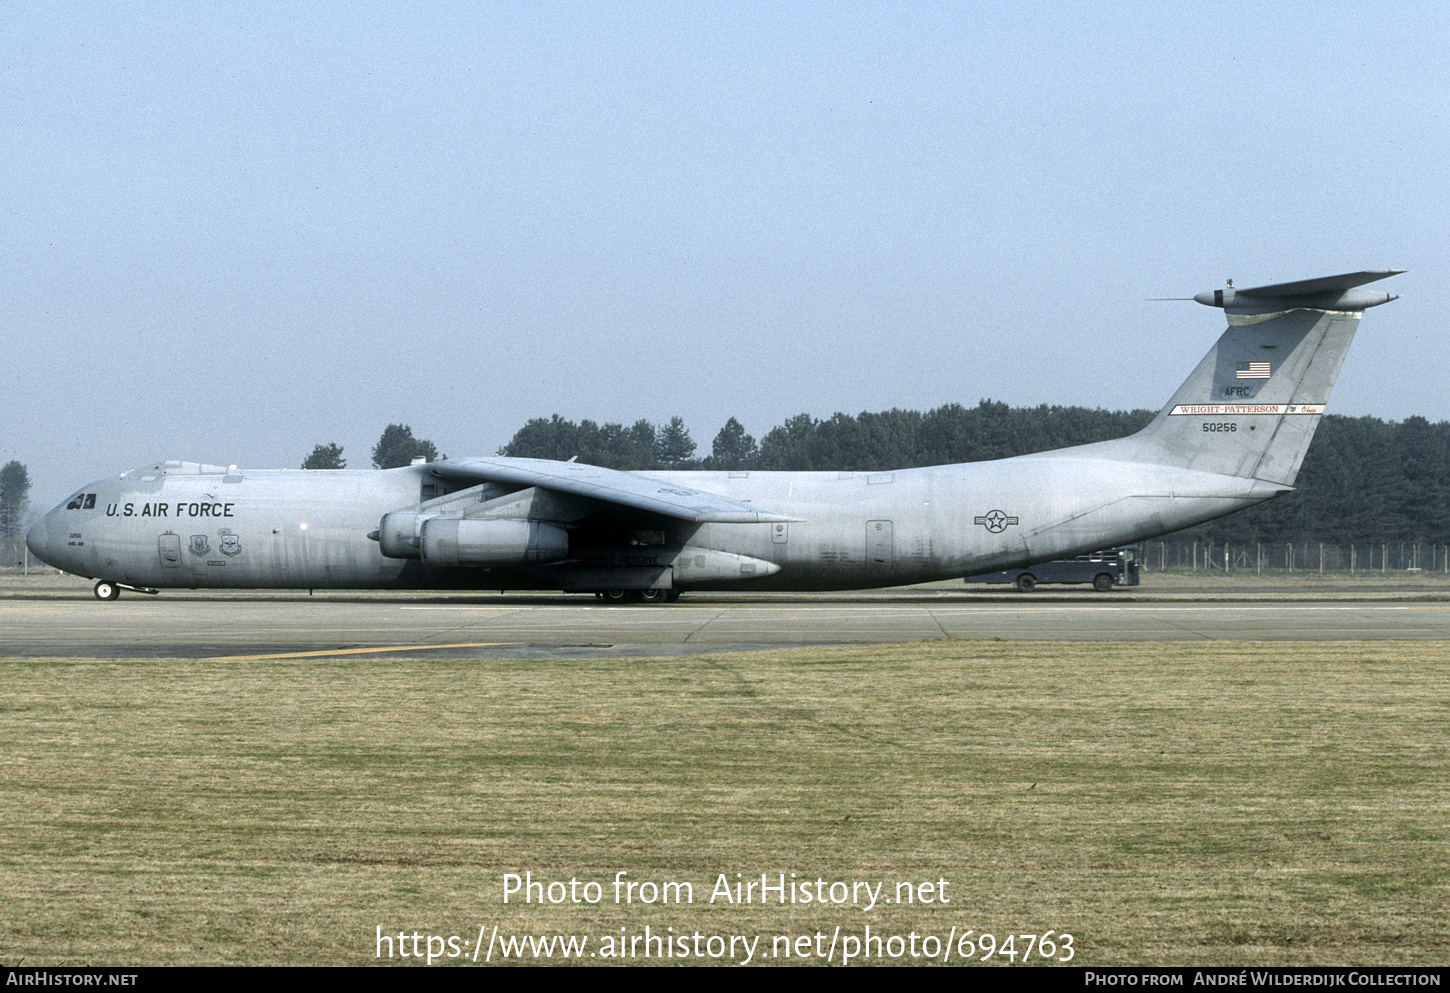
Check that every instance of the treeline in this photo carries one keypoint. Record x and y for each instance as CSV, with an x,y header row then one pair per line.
x,y
892,439
1363,479
397,447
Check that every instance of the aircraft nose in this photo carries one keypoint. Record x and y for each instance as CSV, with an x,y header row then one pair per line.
x,y
38,540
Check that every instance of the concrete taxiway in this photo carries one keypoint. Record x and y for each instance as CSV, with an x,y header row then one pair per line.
x,y
258,625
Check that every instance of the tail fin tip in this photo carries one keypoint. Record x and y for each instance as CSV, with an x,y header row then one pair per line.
x,y
1337,293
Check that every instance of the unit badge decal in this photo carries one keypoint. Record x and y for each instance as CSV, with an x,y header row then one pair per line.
x,y
199,544
995,520
231,544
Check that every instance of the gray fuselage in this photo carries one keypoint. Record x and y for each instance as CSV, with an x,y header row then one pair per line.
x,y
183,525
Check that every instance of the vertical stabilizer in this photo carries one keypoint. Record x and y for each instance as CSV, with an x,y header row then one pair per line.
x,y
1251,407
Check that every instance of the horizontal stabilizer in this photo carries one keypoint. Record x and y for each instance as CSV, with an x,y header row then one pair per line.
x,y
1325,293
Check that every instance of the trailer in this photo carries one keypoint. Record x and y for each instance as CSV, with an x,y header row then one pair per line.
x,y
1104,570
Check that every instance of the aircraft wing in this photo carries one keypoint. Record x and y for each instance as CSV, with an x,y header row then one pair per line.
x,y
610,486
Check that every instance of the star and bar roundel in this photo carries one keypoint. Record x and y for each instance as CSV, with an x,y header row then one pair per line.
x,y
995,520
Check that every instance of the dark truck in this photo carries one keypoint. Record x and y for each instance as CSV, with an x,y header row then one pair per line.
x,y
1106,569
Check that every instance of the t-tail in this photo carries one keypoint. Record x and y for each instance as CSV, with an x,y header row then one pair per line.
x,y
1251,406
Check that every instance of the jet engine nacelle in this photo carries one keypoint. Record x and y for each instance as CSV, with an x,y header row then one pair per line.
x,y
454,542
398,534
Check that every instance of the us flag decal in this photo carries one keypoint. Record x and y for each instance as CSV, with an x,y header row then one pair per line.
x,y
1253,370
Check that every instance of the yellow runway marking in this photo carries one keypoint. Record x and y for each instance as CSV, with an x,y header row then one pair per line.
x,y
358,651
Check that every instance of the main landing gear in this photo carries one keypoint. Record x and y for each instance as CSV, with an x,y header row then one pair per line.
x,y
613,597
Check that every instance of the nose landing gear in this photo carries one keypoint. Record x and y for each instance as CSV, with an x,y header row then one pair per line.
x,y
107,590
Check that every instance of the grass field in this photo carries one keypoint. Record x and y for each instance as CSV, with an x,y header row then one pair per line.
x,y
1179,803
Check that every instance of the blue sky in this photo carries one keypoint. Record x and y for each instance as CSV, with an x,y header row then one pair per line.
x,y
231,233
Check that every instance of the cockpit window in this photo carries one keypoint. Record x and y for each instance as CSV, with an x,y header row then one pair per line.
x,y
82,501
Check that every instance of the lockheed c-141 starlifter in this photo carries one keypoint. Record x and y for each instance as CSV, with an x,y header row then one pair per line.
x,y
1233,435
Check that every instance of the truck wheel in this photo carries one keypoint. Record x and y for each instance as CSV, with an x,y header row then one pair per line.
x,y
107,591
1102,582
1026,582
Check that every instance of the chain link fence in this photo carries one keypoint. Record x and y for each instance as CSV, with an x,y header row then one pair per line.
x,y
1300,556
